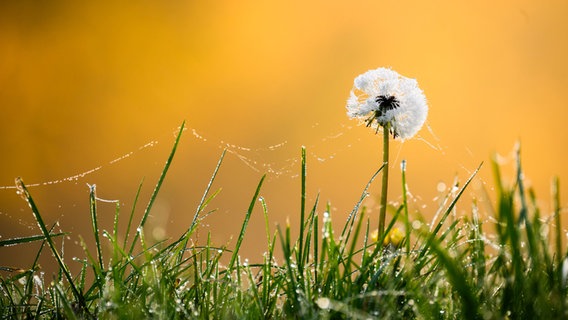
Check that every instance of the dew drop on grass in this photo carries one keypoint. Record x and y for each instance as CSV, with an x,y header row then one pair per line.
x,y
416,224
323,303
544,231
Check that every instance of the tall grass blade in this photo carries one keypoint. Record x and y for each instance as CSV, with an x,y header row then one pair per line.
x,y
67,308
351,218
204,201
157,188
266,221
521,185
27,298
455,200
458,279
560,256
93,209
21,187
131,217
302,211
202,204
291,287
557,221
448,211
245,224
15,241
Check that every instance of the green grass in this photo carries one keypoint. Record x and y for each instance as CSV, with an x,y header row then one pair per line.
x,y
452,268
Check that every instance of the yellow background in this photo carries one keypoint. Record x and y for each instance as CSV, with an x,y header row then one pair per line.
x,y
82,84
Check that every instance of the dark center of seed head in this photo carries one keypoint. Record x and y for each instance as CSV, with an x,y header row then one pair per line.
x,y
386,103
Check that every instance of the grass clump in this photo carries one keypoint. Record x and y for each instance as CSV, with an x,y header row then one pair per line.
x,y
450,269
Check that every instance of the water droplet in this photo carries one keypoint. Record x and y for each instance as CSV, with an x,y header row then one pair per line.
x,y
323,303
416,224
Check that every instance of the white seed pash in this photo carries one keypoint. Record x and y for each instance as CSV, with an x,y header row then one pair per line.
x,y
383,96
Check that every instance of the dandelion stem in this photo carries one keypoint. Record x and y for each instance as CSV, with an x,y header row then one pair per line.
x,y
385,185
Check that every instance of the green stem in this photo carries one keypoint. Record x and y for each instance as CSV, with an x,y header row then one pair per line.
x,y
385,186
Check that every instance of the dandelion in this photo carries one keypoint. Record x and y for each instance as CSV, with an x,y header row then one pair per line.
x,y
394,237
383,98
387,101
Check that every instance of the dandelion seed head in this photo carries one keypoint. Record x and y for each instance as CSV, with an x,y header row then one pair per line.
x,y
383,96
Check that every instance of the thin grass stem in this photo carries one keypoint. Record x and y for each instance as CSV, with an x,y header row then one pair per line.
x,y
405,206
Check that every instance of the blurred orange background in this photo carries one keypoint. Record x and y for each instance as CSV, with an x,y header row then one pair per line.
x,y
82,84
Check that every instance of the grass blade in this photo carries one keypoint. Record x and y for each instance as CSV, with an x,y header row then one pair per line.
x,y
15,241
132,212
93,209
245,224
302,210
204,201
449,210
27,196
458,279
157,188
351,218
558,235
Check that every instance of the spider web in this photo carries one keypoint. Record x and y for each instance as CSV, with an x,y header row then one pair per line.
x,y
255,158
